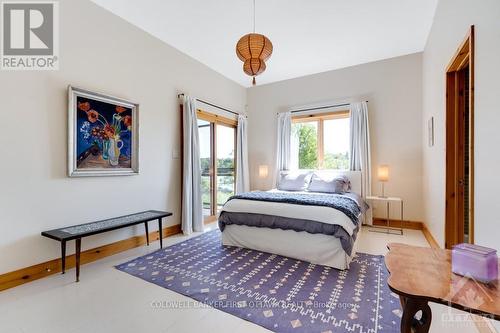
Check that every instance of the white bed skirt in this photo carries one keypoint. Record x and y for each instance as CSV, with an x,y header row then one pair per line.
x,y
315,248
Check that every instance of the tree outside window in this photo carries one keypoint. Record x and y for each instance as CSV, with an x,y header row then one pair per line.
x,y
306,135
321,142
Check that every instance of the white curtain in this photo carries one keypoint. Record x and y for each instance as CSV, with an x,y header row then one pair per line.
x,y
283,142
294,151
360,159
242,175
192,209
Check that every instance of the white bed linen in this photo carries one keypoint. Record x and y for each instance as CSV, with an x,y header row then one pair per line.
x,y
315,248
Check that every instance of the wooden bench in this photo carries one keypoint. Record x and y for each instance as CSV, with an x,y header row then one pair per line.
x,y
77,232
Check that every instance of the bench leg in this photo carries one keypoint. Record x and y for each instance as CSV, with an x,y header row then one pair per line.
x,y
63,257
78,247
160,232
147,232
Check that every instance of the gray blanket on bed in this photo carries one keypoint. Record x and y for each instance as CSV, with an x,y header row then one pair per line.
x,y
342,203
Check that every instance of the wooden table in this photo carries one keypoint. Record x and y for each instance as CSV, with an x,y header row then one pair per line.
x,y
77,232
420,275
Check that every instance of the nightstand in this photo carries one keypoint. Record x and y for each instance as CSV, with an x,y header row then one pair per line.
x,y
387,228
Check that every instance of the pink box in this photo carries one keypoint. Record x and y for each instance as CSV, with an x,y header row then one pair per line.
x,y
478,262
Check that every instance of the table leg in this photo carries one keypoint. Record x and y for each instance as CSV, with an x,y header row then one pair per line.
x,y
63,257
402,300
410,324
388,215
147,232
402,216
160,232
78,248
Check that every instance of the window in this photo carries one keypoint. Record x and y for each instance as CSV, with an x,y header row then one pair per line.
x,y
321,141
217,137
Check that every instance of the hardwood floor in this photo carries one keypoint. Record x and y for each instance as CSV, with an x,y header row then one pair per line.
x,y
107,300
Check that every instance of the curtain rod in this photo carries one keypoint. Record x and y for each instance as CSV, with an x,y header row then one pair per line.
x,y
322,107
215,106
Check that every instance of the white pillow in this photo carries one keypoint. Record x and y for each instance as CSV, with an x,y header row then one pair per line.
x,y
329,183
294,180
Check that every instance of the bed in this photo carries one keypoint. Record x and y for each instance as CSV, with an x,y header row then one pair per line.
x,y
317,227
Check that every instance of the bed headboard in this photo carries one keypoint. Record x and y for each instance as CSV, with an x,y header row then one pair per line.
x,y
354,177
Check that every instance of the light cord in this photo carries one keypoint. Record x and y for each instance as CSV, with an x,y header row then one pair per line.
x,y
253,16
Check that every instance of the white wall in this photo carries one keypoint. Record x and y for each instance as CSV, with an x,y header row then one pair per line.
x,y
392,87
451,23
100,52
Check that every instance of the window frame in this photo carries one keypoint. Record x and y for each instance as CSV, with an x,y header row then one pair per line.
x,y
320,119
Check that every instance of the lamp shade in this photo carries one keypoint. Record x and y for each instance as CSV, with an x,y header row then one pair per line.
x,y
255,46
254,50
383,173
263,171
254,66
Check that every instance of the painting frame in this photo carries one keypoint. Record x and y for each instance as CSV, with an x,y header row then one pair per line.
x,y
74,170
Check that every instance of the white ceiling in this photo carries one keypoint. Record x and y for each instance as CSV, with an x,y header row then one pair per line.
x,y
309,36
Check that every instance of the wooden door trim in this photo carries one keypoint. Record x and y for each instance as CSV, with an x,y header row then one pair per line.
x,y
463,57
463,53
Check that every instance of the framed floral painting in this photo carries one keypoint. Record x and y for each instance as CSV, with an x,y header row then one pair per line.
x,y
103,135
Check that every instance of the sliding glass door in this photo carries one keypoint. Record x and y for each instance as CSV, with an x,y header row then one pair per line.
x,y
204,132
225,141
217,156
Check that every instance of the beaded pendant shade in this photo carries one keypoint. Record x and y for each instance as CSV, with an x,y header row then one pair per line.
x,y
254,50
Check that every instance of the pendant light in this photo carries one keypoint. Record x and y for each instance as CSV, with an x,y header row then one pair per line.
x,y
254,50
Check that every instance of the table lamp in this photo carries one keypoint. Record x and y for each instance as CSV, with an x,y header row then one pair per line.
x,y
263,171
383,176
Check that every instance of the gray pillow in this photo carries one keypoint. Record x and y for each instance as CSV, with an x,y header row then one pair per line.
x,y
329,184
294,180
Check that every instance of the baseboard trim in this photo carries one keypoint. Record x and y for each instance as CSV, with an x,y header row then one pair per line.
x,y
414,225
38,271
210,219
481,323
428,235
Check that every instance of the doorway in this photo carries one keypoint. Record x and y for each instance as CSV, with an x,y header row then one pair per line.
x,y
459,223
217,137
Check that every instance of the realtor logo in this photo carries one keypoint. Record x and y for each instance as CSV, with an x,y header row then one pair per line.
x,y
470,294
30,35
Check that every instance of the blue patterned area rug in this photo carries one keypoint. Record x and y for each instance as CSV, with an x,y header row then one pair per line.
x,y
278,293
